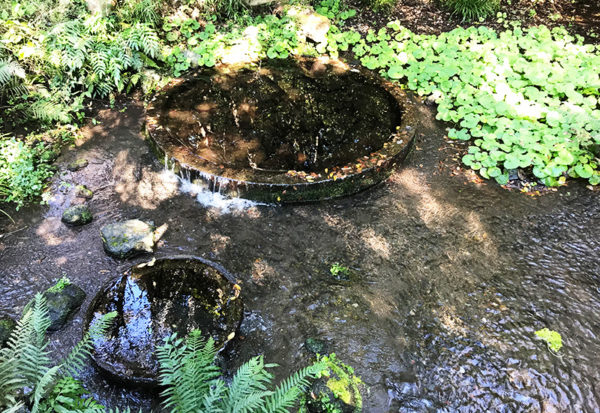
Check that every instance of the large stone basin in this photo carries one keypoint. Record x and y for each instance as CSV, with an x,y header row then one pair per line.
x,y
287,131
153,301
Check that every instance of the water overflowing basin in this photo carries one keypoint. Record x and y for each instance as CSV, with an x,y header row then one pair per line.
x,y
156,299
290,131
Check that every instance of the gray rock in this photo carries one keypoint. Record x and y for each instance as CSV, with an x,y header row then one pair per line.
x,y
128,238
83,191
77,215
62,300
7,325
311,24
77,165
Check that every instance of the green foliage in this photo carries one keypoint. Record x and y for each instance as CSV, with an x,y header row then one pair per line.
x,y
60,285
25,362
50,63
142,11
23,170
193,383
69,395
339,271
527,98
11,75
551,337
472,9
343,384
92,56
335,10
384,6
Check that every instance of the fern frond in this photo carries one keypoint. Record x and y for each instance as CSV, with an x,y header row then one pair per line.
x,y
188,370
24,361
78,354
286,394
48,110
10,73
43,386
248,387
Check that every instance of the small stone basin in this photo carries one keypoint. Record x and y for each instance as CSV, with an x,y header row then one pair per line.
x,y
156,299
287,131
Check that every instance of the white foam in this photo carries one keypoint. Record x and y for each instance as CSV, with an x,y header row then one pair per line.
x,y
210,199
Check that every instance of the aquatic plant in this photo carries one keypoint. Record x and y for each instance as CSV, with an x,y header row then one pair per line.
x,y
551,337
60,285
343,388
339,271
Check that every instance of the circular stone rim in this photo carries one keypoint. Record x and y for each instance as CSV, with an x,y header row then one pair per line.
x,y
147,382
292,186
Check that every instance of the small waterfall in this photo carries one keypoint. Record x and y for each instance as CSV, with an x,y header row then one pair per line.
x,y
208,190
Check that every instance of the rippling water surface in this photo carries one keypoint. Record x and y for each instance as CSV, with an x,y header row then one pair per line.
x,y
450,278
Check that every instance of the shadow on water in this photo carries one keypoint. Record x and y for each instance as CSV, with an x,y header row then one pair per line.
x,y
450,278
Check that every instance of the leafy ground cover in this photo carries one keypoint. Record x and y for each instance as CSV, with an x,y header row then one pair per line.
x,y
526,98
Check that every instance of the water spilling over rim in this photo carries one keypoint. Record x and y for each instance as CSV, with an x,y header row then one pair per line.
x,y
279,183
155,299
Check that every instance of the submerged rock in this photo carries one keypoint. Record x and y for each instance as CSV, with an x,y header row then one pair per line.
x,y
77,165
83,191
63,300
7,325
154,300
316,346
77,215
128,238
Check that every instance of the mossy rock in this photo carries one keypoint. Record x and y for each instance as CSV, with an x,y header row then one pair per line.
x,y
62,303
7,325
83,191
77,215
77,165
128,238
336,391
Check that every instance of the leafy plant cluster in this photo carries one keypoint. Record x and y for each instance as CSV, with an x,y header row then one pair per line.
x,y
48,66
194,382
528,99
343,385
552,338
472,9
253,37
23,170
27,374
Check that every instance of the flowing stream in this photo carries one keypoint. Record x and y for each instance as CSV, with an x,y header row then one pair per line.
x,y
450,276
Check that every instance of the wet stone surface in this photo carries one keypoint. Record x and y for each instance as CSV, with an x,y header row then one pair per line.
x,y
128,238
153,301
77,215
62,304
